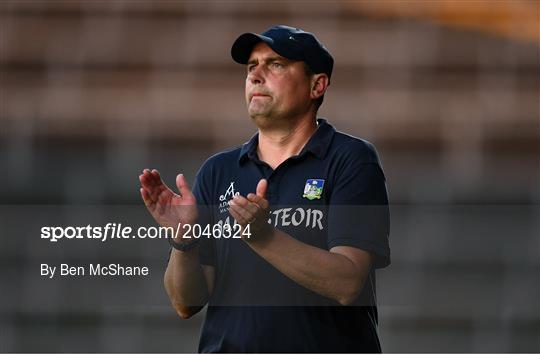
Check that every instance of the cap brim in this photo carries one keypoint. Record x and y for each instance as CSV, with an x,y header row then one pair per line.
x,y
242,47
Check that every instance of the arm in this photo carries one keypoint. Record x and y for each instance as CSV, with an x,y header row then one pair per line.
x,y
188,284
338,274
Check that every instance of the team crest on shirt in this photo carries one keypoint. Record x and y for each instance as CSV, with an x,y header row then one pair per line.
x,y
313,189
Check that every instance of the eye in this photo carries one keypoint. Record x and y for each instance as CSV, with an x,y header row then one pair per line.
x,y
277,65
250,68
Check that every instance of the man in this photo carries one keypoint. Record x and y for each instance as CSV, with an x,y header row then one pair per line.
x,y
312,207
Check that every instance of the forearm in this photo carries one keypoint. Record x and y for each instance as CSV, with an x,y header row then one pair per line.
x,y
185,282
329,274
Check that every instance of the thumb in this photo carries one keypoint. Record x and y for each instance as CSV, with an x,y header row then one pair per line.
x,y
262,186
182,184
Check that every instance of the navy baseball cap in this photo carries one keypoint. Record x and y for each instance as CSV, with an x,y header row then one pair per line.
x,y
289,42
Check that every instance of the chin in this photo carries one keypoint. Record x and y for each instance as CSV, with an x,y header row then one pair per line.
x,y
261,121
258,114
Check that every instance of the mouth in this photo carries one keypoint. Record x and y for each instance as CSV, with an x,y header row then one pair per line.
x,y
259,96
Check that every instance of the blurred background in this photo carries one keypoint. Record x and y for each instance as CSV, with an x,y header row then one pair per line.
x,y
92,92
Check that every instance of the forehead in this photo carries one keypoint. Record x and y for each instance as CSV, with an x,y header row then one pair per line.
x,y
262,51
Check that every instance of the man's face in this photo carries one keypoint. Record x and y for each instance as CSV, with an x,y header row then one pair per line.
x,y
276,88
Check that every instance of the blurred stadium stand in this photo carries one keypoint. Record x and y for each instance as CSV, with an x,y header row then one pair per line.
x,y
448,91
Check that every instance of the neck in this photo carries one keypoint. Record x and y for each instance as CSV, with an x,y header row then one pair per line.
x,y
279,144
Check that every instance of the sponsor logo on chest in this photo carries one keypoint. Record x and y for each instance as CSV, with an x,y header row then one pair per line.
x,y
226,197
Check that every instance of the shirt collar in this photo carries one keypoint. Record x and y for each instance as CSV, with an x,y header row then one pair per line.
x,y
318,144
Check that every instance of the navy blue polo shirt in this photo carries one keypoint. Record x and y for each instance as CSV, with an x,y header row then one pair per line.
x,y
333,193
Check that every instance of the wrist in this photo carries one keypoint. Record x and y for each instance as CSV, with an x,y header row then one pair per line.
x,y
182,244
261,235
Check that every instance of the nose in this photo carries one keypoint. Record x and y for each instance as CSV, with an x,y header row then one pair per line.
x,y
256,75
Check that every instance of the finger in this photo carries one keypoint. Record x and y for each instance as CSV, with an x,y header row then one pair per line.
x,y
151,178
237,217
162,203
148,180
245,215
145,180
243,202
147,194
147,172
146,198
262,202
240,200
183,185
262,186
152,182
153,189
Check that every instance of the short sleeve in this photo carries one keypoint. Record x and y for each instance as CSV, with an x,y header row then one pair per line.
x,y
359,215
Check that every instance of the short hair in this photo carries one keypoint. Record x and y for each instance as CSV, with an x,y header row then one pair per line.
x,y
309,73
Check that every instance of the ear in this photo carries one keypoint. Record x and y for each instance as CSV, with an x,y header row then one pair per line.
x,y
319,84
